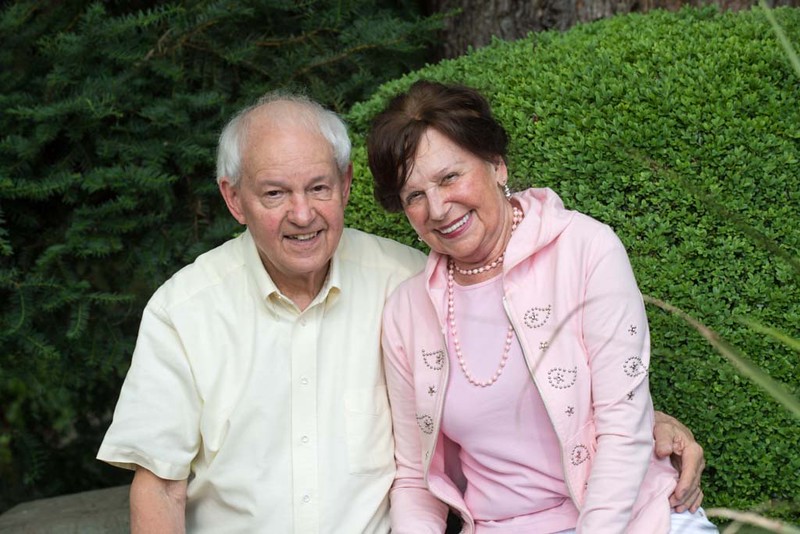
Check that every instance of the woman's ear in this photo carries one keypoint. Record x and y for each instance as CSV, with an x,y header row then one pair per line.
x,y
501,171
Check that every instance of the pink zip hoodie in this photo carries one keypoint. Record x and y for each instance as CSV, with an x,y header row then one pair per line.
x,y
572,299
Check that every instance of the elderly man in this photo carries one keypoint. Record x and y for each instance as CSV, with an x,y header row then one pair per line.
x,y
255,400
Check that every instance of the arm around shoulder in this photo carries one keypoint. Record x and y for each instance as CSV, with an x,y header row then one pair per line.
x,y
157,504
675,440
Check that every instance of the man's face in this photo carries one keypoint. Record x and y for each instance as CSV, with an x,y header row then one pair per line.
x,y
292,197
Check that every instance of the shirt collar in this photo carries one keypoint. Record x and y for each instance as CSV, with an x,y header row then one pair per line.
x,y
268,292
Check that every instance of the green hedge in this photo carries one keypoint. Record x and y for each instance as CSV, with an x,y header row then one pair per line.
x,y
682,131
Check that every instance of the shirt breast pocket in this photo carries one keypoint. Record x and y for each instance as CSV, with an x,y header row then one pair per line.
x,y
370,446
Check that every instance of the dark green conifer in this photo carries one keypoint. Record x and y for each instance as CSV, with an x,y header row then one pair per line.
x,y
109,114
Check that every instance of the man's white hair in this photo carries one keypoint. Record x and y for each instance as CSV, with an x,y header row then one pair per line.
x,y
298,109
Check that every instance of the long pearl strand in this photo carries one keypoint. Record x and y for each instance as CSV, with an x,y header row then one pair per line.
x,y
451,316
516,218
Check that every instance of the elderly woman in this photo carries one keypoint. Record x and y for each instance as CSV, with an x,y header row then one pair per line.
x,y
517,362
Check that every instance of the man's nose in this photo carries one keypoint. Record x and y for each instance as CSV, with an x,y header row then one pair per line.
x,y
301,211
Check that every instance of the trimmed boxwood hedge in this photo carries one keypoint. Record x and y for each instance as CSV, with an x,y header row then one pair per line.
x,y
681,131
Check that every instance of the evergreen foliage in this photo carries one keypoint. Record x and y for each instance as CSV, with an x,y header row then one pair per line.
x,y
680,130
110,114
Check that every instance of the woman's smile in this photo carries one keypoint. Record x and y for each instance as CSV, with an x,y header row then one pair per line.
x,y
448,231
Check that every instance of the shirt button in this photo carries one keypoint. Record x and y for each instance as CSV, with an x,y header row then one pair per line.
x,y
303,322
304,381
304,439
306,498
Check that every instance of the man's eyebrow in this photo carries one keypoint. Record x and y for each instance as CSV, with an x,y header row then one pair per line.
x,y
274,180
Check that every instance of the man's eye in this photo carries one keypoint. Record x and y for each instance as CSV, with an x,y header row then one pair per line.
x,y
321,191
272,194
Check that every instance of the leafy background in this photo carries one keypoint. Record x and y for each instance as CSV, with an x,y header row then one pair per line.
x,y
679,130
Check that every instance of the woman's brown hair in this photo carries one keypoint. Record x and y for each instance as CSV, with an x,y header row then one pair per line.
x,y
458,112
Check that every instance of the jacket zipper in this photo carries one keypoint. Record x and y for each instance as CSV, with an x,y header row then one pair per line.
x,y
465,516
536,385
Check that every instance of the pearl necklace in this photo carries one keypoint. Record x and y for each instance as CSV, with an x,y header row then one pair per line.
x,y
451,316
516,219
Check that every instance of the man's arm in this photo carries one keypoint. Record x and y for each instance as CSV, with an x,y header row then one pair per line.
x,y
673,439
157,504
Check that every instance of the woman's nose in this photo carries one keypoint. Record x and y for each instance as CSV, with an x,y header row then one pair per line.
x,y
437,204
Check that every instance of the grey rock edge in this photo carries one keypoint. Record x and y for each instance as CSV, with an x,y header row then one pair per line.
x,y
90,512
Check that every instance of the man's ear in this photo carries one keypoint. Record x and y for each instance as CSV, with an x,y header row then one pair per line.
x,y
233,199
347,182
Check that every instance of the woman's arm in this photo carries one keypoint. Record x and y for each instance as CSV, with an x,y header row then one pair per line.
x,y
413,510
616,336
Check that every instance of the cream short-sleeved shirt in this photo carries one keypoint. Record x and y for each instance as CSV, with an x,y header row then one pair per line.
x,y
278,418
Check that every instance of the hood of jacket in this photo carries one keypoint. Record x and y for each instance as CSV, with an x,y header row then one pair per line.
x,y
544,219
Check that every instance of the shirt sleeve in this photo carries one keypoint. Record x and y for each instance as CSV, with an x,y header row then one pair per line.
x,y
156,420
414,509
617,340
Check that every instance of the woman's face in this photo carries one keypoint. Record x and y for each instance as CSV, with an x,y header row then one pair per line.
x,y
453,201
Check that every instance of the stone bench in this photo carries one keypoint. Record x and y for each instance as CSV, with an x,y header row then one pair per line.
x,y
90,512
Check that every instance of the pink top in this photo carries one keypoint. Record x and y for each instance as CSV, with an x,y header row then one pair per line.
x,y
580,320
509,454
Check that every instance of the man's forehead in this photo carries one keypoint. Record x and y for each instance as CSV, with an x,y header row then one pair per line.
x,y
282,142
298,163
284,115
301,171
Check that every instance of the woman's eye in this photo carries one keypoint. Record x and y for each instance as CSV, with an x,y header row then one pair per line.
x,y
411,197
449,177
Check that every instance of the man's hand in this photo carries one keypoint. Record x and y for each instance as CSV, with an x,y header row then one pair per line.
x,y
673,439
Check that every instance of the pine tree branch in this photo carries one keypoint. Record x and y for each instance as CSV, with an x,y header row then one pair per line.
x,y
161,51
341,56
298,39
